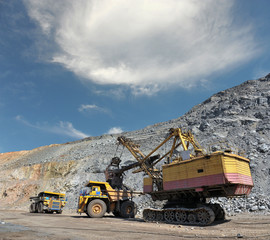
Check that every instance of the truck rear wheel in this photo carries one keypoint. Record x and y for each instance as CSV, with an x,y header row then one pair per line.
x,y
128,209
32,208
40,207
96,208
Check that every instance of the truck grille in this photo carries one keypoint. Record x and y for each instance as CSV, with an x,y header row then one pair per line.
x,y
56,205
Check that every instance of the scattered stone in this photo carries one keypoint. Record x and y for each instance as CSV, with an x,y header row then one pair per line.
x,y
262,208
239,235
254,208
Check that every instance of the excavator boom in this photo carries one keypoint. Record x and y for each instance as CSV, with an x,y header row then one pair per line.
x,y
147,162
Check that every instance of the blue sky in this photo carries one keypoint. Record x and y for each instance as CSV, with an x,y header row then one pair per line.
x,y
72,69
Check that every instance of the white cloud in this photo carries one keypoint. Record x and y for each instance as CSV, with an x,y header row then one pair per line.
x,y
115,130
62,128
84,107
90,107
146,45
67,129
20,118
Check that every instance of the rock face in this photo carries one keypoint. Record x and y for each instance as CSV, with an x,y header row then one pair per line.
x,y
237,118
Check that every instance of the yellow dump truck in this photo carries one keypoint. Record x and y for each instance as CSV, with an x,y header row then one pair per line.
x,y
97,198
48,202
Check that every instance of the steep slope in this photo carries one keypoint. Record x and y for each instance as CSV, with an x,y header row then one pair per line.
x,y
237,117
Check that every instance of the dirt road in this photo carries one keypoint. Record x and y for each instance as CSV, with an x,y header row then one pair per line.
x,y
23,225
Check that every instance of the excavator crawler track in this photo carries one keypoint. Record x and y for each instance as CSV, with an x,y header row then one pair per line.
x,y
201,216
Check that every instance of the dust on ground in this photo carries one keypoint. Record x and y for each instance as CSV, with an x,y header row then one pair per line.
x,y
23,225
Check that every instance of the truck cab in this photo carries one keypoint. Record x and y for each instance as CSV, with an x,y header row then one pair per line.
x,y
96,191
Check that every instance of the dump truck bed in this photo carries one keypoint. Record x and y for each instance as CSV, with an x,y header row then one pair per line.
x,y
113,195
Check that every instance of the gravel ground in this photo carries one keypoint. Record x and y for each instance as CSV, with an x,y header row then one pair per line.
x,y
76,227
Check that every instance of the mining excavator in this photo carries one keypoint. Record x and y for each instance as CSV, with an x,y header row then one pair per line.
x,y
187,178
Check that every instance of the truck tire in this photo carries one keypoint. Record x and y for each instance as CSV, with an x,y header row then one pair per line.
x,y
128,209
32,208
40,207
96,208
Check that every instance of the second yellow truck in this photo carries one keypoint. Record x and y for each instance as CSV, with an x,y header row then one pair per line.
x,y
97,198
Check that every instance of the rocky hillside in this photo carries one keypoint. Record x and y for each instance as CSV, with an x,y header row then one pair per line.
x,y
237,117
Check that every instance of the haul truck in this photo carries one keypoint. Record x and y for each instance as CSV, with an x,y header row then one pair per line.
x,y
48,202
97,198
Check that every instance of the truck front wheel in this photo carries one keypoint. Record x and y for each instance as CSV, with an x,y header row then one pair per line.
x,y
96,208
128,209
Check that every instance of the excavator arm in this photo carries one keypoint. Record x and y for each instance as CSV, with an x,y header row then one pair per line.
x,y
184,139
147,162
114,173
